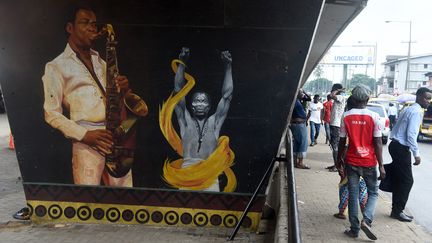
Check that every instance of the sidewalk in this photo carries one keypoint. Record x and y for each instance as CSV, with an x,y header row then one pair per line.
x,y
317,194
16,231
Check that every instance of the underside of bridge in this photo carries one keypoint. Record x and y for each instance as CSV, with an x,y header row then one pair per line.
x,y
273,46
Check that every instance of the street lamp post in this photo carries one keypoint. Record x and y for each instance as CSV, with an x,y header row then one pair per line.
x,y
375,68
408,58
407,76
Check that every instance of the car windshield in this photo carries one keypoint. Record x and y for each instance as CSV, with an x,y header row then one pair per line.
x,y
376,109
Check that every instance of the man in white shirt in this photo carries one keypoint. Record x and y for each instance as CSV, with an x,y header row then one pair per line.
x,y
392,115
315,119
76,80
338,108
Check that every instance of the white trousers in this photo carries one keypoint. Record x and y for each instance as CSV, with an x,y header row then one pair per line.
x,y
88,166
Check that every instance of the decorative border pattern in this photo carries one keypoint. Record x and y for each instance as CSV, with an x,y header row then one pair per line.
x,y
64,212
88,204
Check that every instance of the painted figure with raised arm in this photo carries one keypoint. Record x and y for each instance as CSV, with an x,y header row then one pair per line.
x,y
199,130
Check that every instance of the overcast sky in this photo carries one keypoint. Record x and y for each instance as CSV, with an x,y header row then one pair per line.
x,y
369,27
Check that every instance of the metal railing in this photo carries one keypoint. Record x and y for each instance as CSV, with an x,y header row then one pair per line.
x,y
282,196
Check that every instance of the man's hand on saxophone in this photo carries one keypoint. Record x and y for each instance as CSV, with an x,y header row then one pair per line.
x,y
122,84
100,139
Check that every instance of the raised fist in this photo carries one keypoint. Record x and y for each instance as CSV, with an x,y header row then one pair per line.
x,y
184,54
226,57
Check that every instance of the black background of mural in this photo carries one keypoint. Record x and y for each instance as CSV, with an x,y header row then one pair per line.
x,y
268,41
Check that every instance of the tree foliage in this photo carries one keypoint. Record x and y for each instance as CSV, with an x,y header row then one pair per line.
x,y
318,86
362,79
318,71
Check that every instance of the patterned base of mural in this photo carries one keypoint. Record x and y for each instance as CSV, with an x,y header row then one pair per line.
x,y
45,211
83,204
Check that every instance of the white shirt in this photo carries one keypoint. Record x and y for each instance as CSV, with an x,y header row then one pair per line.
x,y
68,83
337,110
315,112
392,111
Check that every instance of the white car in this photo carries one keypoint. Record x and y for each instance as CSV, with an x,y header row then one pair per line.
x,y
383,119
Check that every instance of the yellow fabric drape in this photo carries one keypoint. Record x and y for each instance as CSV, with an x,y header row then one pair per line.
x,y
202,174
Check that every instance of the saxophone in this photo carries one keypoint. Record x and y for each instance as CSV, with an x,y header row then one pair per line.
x,y
122,113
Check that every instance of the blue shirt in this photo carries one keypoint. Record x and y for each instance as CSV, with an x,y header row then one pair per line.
x,y
298,111
407,128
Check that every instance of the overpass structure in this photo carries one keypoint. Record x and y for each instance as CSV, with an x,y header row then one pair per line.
x,y
273,46
335,16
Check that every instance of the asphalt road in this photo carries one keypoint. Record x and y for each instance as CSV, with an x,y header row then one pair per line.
x,y
419,203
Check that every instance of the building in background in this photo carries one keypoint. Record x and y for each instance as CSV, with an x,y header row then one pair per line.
x,y
429,79
395,74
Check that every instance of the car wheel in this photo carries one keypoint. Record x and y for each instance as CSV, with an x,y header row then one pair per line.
x,y
384,140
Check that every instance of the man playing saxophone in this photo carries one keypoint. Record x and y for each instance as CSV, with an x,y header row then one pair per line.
x,y
76,81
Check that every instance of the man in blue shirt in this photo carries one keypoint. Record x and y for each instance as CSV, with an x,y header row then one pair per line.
x,y
404,141
299,132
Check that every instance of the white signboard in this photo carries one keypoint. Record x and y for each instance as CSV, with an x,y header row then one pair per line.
x,y
353,55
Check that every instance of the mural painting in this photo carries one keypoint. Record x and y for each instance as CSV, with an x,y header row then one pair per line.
x,y
131,112
205,154
96,97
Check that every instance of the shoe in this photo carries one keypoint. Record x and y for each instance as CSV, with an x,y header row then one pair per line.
x,y
394,215
409,216
330,167
312,144
22,214
315,143
339,215
366,228
350,233
302,166
401,216
333,169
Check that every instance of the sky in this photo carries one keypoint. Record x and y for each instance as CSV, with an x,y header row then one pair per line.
x,y
369,27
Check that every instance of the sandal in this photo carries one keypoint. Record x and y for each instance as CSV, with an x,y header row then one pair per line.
x,y
302,166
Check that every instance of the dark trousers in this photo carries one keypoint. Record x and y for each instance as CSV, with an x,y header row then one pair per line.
x,y
401,173
334,141
392,120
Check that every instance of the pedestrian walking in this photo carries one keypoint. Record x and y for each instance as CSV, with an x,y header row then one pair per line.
x,y
343,184
363,129
299,132
339,101
404,142
327,107
392,115
314,117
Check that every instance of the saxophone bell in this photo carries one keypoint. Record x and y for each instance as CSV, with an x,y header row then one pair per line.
x,y
136,104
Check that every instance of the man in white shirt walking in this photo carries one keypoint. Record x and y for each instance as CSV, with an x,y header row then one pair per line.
x,y
315,119
339,102
392,115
